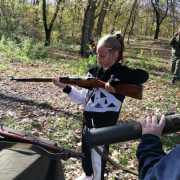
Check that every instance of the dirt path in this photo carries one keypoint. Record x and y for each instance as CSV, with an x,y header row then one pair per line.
x,y
159,48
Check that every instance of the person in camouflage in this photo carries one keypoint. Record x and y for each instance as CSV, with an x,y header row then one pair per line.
x,y
175,68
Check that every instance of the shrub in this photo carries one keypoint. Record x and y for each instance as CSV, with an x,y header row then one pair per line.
x,y
25,49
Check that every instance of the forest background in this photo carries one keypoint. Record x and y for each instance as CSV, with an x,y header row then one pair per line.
x,y
41,38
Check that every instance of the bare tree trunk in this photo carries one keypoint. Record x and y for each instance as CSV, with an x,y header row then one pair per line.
x,y
173,15
157,30
46,28
127,24
36,2
88,24
159,15
101,17
132,25
115,17
91,21
118,13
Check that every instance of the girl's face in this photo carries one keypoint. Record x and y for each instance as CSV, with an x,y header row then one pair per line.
x,y
106,57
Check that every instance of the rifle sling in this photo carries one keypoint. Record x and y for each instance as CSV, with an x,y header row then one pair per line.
x,y
118,166
38,149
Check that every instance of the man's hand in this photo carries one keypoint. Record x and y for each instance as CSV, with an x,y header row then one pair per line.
x,y
56,81
151,126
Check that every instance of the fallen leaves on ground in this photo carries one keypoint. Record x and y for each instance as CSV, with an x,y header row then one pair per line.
x,y
45,111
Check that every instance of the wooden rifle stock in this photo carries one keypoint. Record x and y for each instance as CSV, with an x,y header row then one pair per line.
x,y
131,90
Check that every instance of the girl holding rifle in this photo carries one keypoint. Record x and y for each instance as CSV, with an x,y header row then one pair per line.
x,y
102,106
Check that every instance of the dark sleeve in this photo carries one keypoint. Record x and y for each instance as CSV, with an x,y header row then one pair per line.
x,y
172,41
67,89
149,153
127,75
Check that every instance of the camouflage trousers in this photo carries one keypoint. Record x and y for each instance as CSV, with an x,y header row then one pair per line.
x,y
175,68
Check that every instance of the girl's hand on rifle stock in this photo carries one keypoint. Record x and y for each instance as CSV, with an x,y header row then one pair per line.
x,y
109,88
56,80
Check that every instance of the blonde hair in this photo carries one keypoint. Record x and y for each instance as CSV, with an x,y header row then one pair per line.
x,y
114,42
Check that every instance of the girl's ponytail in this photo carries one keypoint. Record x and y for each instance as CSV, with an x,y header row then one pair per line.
x,y
115,42
119,38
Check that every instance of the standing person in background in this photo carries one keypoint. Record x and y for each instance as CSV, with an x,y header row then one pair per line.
x,y
175,69
102,106
154,163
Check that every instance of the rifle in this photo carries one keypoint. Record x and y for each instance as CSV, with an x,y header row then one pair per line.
x,y
126,132
6,135
131,90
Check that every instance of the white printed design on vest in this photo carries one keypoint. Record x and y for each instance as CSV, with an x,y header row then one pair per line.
x,y
102,101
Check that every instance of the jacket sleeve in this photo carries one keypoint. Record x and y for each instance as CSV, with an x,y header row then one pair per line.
x,y
172,41
127,75
76,95
154,163
149,153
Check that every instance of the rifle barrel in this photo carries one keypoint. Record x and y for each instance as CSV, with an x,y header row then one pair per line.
x,y
67,80
45,79
131,90
126,132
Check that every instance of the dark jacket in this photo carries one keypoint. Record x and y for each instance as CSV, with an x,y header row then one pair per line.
x,y
175,43
154,163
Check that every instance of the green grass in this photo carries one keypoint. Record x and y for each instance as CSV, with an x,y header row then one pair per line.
x,y
10,123
170,141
